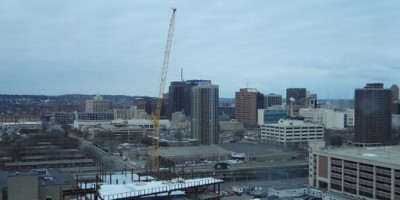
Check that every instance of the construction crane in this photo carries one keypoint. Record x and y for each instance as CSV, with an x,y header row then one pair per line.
x,y
156,117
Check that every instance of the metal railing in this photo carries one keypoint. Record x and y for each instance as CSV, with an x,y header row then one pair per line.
x,y
164,189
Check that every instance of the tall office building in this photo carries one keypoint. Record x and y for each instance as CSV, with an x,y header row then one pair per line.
x,y
247,103
373,116
179,96
395,92
97,104
311,100
300,100
395,99
176,97
272,100
205,101
299,94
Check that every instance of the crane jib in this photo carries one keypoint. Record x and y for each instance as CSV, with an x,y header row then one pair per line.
x,y
156,117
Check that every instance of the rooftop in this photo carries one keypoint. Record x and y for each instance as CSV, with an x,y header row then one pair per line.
x,y
256,149
45,176
193,150
151,188
291,122
384,154
121,178
252,90
49,162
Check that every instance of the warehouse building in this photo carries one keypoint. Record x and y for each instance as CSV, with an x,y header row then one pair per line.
x,y
35,184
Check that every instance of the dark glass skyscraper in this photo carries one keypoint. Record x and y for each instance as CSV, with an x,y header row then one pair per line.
x,y
373,118
176,98
179,96
395,99
299,94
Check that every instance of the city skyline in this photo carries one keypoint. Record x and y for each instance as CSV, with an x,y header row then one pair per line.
x,y
70,47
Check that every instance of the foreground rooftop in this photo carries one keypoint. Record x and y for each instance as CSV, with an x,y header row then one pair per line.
x,y
160,188
383,154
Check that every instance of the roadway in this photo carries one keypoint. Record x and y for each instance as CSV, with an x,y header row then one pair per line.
x,y
267,170
110,162
254,166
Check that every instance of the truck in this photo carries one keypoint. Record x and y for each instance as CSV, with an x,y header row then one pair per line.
x,y
237,190
221,165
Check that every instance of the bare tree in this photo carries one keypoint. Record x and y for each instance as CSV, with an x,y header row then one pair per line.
x,y
239,134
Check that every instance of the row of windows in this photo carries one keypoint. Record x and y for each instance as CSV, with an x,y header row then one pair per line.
x,y
291,132
294,129
311,138
288,139
295,135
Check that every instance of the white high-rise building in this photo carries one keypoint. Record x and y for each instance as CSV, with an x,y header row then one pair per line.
x,y
331,119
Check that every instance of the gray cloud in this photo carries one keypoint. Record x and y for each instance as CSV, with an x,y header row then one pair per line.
x,y
330,47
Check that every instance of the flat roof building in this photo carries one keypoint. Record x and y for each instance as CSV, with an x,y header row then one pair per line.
x,y
19,118
35,184
194,153
271,100
180,96
97,104
360,172
247,102
205,121
373,116
331,119
291,133
299,95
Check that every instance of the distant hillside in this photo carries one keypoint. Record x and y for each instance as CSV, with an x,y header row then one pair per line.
x,y
226,100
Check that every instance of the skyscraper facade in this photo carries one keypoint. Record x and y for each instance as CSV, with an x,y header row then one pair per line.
x,y
311,100
272,100
204,103
395,99
176,97
247,103
372,108
179,96
299,95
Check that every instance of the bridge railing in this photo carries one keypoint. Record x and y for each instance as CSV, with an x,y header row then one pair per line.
x,y
163,189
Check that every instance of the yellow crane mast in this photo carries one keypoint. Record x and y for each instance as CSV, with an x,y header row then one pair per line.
x,y
156,117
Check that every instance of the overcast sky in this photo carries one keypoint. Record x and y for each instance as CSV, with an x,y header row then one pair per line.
x,y
117,47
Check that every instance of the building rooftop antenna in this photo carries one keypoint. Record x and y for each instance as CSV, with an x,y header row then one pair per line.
x,y
181,74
